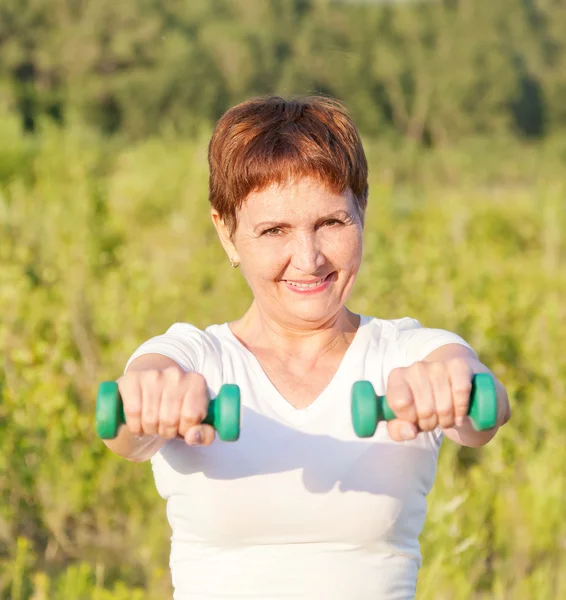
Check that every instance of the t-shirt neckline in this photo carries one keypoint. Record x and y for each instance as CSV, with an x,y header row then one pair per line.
x,y
279,402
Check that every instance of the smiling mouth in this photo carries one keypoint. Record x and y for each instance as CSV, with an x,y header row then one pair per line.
x,y
305,285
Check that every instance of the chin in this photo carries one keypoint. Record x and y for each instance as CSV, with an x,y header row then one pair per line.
x,y
311,314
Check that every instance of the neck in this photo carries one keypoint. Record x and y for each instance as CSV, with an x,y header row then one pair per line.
x,y
258,329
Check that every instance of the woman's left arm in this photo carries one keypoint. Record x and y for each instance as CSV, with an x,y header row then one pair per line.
x,y
465,434
436,391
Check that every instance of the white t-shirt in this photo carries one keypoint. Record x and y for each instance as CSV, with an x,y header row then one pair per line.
x,y
299,506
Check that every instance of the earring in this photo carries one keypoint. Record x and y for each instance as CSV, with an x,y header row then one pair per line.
x,y
233,264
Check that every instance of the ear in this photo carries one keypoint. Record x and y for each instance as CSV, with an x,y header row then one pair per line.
x,y
224,235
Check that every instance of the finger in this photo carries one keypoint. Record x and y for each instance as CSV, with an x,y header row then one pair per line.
x,y
443,400
461,384
399,395
170,410
130,392
401,431
150,382
419,378
200,435
195,403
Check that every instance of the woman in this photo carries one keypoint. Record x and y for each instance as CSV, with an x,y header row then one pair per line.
x,y
299,507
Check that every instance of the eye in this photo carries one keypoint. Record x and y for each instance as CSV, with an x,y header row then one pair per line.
x,y
273,231
332,222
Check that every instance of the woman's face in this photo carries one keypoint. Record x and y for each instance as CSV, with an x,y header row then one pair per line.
x,y
299,247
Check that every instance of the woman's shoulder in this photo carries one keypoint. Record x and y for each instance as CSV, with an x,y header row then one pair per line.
x,y
185,343
189,331
399,326
408,332
411,339
389,327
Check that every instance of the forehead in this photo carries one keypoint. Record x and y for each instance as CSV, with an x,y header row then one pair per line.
x,y
298,199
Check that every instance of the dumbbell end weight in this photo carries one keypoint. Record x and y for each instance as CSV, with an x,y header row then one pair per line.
x,y
224,413
364,409
483,402
368,409
109,410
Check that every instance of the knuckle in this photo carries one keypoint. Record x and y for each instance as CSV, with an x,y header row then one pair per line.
x,y
397,374
132,404
427,424
167,432
126,380
462,386
459,367
426,413
151,377
169,421
420,367
193,413
436,366
438,372
420,374
150,420
444,411
401,401
197,382
459,362
173,373
129,392
132,412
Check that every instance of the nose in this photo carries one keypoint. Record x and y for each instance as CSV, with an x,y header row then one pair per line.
x,y
306,252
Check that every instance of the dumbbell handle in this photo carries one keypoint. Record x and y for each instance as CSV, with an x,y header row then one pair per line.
x,y
368,409
223,412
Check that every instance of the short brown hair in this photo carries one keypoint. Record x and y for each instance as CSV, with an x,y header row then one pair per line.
x,y
269,140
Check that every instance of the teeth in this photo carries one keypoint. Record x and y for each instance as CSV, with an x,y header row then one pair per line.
x,y
306,285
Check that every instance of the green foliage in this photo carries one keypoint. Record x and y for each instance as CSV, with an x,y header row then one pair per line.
x,y
103,245
432,70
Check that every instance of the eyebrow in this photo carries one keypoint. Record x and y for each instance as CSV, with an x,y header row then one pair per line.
x,y
337,214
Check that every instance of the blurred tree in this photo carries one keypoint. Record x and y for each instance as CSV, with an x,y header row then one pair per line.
x,y
433,71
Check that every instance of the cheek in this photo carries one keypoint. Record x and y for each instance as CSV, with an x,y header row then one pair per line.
x,y
263,261
344,249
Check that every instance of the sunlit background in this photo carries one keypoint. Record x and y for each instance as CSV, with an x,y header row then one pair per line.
x,y
106,109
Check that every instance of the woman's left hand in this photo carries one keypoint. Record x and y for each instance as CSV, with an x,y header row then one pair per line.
x,y
435,393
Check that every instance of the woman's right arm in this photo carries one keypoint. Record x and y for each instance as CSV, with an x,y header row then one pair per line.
x,y
161,402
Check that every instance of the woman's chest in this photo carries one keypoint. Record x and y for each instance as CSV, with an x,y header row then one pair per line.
x,y
300,383
296,489
300,390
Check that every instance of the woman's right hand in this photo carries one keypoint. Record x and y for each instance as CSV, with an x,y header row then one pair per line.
x,y
167,402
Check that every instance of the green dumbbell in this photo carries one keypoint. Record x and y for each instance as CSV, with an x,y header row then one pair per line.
x,y
223,411
368,409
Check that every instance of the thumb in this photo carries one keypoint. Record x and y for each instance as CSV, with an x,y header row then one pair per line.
x,y
401,431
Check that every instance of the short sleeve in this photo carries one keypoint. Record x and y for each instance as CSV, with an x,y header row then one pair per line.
x,y
182,343
417,342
